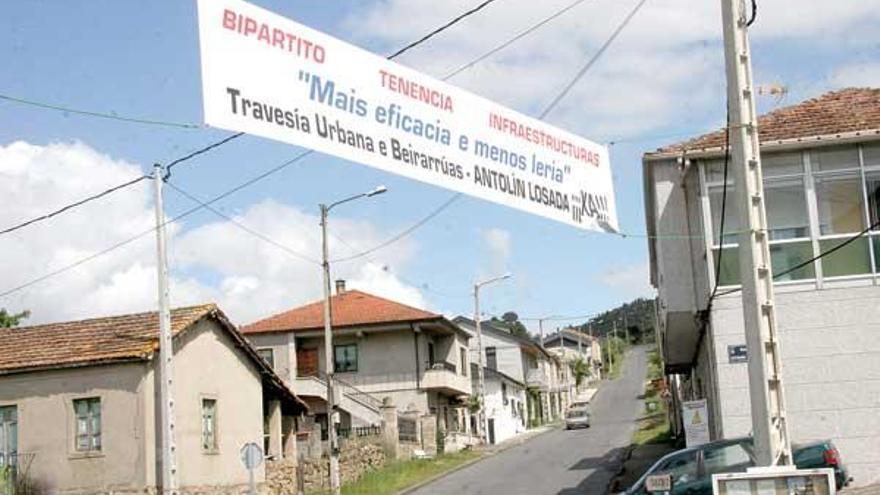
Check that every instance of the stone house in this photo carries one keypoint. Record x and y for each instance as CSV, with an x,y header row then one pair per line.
x,y
821,180
381,348
79,403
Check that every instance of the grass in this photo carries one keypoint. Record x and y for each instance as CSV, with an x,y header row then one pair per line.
x,y
398,475
653,427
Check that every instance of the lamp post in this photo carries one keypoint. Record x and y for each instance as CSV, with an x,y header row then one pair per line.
x,y
328,337
480,376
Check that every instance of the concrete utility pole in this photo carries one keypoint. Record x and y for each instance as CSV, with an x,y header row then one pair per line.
x,y
769,422
329,363
481,383
166,349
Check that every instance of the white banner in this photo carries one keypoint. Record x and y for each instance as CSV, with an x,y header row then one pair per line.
x,y
270,76
695,416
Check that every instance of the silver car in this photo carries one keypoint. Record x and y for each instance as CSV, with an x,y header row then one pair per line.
x,y
577,418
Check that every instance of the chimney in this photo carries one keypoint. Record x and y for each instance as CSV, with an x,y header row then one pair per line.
x,y
340,286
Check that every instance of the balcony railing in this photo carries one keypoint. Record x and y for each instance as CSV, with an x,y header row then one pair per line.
x,y
444,376
441,365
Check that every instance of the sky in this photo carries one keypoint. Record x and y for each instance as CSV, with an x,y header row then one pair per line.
x,y
661,81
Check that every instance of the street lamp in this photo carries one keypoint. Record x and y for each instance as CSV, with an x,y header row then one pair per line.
x,y
328,336
480,377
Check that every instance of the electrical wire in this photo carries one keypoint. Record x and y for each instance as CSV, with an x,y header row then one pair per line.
x,y
200,151
591,61
723,202
243,227
74,205
516,38
754,13
819,256
103,115
440,29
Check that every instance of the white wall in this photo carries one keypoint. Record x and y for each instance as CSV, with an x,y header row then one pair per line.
x,y
506,425
507,352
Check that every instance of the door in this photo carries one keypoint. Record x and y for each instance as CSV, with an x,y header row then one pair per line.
x,y
307,362
491,431
430,355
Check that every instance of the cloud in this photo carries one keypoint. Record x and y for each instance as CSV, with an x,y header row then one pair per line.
x,y
215,261
858,74
628,281
665,67
499,246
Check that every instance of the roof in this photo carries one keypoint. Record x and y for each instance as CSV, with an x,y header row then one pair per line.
x,y
569,335
836,113
489,372
488,325
117,339
92,341
350,308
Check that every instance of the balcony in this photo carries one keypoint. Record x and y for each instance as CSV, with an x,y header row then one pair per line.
x,y
443,378
536,378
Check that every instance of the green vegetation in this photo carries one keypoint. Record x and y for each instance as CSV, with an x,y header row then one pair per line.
x,y
635,318
398,475
580,369
612,356
653,427
510,321
9,320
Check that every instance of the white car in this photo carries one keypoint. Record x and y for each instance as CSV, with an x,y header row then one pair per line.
x,y
577,418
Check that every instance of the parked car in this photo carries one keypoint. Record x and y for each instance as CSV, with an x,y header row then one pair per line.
x,y
577,418
691,469
579,404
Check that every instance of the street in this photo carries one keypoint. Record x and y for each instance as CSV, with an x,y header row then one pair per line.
x,y
562,462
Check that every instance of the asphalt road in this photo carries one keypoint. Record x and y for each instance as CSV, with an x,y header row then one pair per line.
x,y
562,462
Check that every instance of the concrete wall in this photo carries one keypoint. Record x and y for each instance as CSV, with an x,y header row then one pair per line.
x,y
507,353
830,343
283,349
46,426
207,365
506,425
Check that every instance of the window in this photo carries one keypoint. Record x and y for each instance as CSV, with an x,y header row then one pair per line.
x,y
491,359
345,358
462,361
683,470
88,424
843,182
431,356
268,355
504,393
209,425
8,436
726,459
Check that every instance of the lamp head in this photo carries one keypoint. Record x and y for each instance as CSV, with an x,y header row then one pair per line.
x,y
376,191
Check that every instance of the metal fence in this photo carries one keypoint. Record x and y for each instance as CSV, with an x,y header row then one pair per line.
x,y
406,429
359,431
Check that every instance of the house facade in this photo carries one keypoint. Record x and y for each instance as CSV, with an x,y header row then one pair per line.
x,y
821,180
506,404
571,344
547,382
79,404
381,348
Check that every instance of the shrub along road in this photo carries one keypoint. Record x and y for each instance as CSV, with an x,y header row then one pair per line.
x,y
562,462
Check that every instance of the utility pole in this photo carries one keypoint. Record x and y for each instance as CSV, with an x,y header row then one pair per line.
x,y
541,330
481,383
329,363
166,349
769,422
626,326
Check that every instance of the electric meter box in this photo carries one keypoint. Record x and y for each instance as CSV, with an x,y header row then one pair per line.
x,y
775,481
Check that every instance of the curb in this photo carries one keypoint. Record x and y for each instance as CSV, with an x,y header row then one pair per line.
x,y
487,454
614,482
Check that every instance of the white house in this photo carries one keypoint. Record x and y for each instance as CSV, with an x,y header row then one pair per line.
x,y
821,173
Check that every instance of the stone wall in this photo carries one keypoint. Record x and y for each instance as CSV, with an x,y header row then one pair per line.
x,y
356,457
281,477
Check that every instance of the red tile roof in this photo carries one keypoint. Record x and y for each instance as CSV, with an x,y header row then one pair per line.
x,y
845,111
351,308
92,341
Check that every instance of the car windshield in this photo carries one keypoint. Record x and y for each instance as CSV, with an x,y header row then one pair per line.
x,y
576,413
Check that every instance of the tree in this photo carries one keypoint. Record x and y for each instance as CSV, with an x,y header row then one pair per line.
x,y
580,369
510,321
9,320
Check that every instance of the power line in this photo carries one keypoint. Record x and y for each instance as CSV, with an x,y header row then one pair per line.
x,y
132,182
723,203
91,113
400,235
243,227
74,205
592,60
444,27
515,38
814,258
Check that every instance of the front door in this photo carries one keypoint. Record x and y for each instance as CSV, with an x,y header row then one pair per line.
x,y
307,362
491,431
8,435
